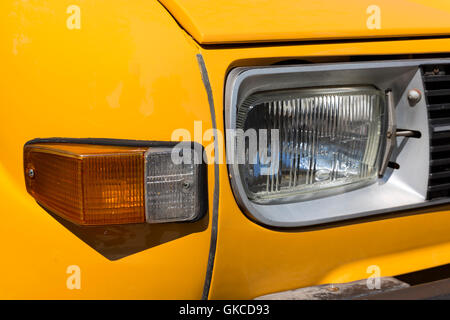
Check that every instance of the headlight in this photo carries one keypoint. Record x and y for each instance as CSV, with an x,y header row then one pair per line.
x,y
327,140
340,131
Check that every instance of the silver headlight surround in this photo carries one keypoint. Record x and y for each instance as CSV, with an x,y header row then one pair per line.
x,y
397,190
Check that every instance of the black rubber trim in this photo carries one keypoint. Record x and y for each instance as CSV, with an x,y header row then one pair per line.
x,y
107,142
213,242
284,43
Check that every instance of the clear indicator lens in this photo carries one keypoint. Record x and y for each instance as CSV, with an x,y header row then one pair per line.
x,y
173,190
325,140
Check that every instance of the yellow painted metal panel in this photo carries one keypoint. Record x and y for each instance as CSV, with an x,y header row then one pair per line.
x,y
252,260
231,21
127,73
130,72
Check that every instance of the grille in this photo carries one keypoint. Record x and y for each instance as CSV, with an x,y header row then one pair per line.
x,y
436,80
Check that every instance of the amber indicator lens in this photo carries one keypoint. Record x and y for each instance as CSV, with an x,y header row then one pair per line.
x,y
86,184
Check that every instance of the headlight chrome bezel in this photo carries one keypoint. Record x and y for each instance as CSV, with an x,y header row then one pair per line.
x,y
397,190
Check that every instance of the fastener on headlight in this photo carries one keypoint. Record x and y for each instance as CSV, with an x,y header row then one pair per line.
x,y
328,139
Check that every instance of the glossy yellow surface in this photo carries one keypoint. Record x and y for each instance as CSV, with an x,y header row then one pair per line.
x,y
130,72
252,260
225,21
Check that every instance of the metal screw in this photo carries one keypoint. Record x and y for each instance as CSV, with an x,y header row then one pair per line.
x,y
186,185
414,96
31,173
332,288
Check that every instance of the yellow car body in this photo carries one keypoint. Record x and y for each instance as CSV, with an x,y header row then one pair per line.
x,y
131,71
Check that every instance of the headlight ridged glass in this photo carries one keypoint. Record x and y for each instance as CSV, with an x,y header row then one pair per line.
x,y
328,139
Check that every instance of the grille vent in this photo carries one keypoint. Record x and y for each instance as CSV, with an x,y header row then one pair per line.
x,y
436,80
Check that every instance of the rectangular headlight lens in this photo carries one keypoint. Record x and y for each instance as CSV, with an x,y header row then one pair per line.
x,y
328,139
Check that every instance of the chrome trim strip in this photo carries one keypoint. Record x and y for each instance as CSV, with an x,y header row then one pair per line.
x,y
390,134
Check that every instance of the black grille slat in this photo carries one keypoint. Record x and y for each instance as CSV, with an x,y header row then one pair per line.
x,y
436,80
439,107
439,187
440,162
440,148
440,122
439,92
439,175
435,136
